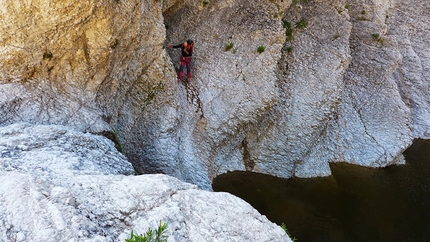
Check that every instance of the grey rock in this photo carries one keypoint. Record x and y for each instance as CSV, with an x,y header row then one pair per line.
x,y
350,86
231,89
57,184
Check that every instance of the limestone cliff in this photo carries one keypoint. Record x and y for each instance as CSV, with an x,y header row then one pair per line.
x,y
337,81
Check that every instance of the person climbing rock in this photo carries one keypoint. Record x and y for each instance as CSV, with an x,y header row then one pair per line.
x,y
187,49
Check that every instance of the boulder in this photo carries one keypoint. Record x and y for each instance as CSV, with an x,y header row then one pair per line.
x,y
58,184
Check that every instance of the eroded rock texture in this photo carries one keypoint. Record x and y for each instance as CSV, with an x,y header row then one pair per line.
x,y
337,81
98,66
231,89
58,184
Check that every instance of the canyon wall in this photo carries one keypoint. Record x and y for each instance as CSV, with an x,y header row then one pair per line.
x,y
337,80
350,83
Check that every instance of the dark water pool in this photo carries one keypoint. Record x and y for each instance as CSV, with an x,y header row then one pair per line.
x,y
354,204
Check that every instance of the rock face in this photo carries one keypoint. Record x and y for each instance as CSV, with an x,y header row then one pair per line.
x,y
343,88
57,184
337,81
310,83
98,66
72,63
231,89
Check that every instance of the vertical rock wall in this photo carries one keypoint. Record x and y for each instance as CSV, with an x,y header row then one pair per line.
x,y
230,88
98,66
349,84
337,80
408,22
76,63
374,125
310,85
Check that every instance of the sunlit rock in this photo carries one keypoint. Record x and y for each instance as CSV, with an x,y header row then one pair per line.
x,y
58,184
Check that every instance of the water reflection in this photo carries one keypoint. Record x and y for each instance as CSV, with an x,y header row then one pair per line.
x,y
354,204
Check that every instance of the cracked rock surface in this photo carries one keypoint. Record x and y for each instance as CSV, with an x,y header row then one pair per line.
x,y
351,83
58,184
338,81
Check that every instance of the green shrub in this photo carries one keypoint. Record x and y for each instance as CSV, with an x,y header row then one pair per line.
x,y
336,36
375,36
284,227
205,3
301,24
286,24
278,14
378,38
157,235
295,2
290,34
261,49
228,46
152,91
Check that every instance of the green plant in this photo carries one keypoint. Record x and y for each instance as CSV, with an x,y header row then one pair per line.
x,y
158,235
295,2
113,136
348,6
229,45
363,11
284,227
301,24
260,49
289,49
290,34
336,36
278,14
289,31
205,3
286,24
151,92
377,37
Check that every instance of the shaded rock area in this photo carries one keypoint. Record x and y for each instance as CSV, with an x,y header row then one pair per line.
x,y
97,66
337,80
58,184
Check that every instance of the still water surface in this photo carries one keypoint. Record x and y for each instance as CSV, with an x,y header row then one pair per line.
x,y
354,204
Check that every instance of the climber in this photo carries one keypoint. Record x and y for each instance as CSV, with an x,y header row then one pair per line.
x,y
187,49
